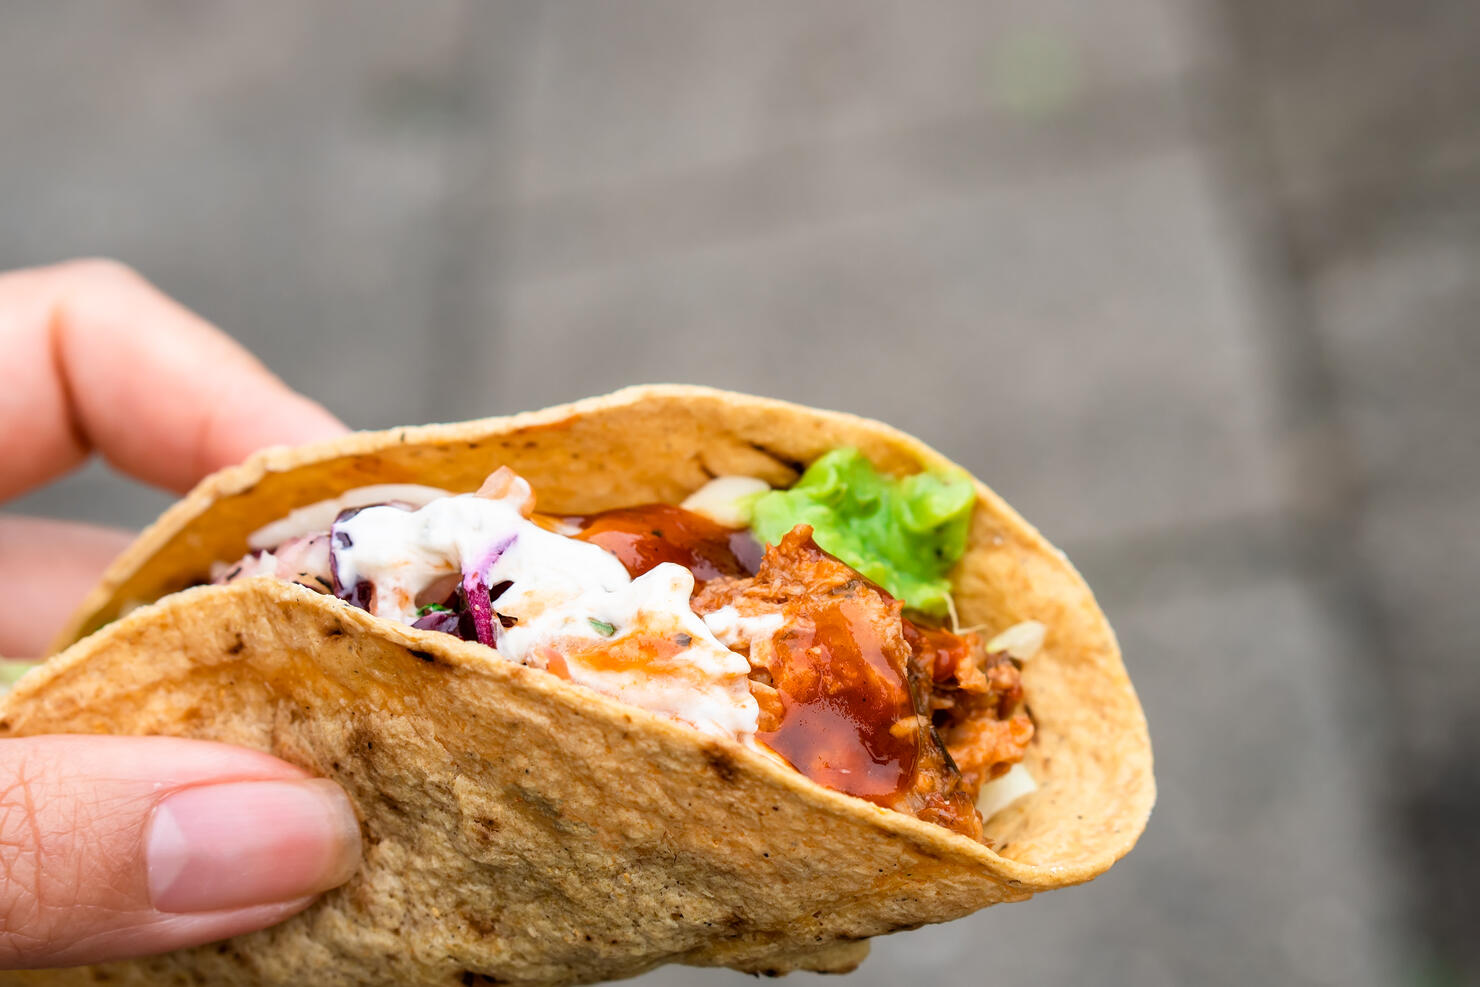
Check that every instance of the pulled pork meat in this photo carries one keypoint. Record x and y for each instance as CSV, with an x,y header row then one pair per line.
x,y
975,700
861,699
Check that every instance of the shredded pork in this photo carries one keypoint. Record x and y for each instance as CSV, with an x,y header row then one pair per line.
x,y
861,699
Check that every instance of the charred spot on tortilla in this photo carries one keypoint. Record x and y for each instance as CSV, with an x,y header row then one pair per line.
x,y
723,763
543,805
481,924
237,646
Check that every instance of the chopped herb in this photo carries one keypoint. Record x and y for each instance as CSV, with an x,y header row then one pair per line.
x,y
602,627
432,608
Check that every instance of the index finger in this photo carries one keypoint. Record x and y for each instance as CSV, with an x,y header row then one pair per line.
x,y
96,358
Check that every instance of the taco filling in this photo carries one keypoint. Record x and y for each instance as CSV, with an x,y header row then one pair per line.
x,y
776,618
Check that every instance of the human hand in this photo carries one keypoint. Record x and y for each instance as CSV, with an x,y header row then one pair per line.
x,y
112,847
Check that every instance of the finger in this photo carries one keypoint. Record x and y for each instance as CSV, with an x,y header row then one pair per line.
x,y
97,358
46,568
112,847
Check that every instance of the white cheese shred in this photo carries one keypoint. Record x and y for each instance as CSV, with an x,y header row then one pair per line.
x,y
727,500
999,793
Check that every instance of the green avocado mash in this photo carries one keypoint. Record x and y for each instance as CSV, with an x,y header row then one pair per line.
x,y
904,534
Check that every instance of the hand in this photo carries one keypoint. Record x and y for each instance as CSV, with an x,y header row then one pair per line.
x,y
113,847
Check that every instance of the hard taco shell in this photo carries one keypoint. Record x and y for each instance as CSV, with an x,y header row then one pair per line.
x,y
521,830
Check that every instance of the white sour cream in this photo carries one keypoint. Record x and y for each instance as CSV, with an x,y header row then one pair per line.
x,y
317,517
576,610
735,631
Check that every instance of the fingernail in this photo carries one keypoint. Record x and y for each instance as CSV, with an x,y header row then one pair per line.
x,y
249,843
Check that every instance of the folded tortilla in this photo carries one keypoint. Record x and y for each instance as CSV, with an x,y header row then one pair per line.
x,y
521,830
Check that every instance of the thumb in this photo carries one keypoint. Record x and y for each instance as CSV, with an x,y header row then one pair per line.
x,y
112,847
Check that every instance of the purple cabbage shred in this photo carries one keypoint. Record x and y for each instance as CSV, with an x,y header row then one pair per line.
x,y
469,614
481,608
445,621
476,592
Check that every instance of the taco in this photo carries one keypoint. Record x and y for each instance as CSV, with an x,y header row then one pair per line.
x,y
673,675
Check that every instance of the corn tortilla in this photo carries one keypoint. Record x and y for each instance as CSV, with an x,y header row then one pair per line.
x,y
519,829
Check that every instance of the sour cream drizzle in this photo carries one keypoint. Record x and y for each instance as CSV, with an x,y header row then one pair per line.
x,y
316,517
575,610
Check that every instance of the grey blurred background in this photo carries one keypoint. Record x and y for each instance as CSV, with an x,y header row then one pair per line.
x,y
1192,283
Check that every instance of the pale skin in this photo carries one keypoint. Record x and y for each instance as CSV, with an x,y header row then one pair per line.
x,y
112,847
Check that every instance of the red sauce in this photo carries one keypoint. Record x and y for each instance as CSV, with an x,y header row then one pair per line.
x,y
844,711
937,650
642,651
840,695
643,537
